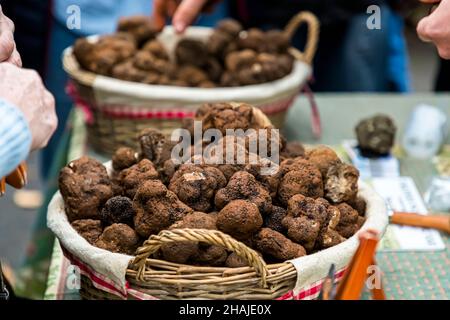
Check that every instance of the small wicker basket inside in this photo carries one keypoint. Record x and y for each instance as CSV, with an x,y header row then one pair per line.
x,y
116,110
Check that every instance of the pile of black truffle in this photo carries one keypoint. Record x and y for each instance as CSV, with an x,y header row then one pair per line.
x,y
310,203
231,56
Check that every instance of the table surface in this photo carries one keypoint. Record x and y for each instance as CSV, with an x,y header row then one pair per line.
x,y
406,275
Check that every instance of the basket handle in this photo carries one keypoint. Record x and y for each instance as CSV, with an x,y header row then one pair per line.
x,y
214,237
313,35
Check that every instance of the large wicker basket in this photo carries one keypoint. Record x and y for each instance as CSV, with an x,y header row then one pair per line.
x,y
117,110
106,275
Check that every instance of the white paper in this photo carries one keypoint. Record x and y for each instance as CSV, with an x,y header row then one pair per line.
x,y
401,194
386,166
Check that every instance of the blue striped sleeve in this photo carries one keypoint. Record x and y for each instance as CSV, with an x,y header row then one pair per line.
x,y
15,138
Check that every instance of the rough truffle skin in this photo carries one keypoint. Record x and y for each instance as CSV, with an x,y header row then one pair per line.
x,y
210,255
274,219
235,261
156,48
240,219
229,26
88,229
196,185
140,27
301,177
130,179
118,210
341,183
376,135
348,224
293,149
276,245
243,185
102,56
119,238
123,158
155,146
323,158
223,116
85,187
359,204
182,252
311,222
156,208
191,52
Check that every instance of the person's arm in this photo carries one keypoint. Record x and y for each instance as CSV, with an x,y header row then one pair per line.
x,y
15,137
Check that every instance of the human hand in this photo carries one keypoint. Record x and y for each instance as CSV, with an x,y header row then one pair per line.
x,y
24,89
436,27
183,12
8,51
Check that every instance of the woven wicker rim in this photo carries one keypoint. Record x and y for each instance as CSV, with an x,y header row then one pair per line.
x,y
87,78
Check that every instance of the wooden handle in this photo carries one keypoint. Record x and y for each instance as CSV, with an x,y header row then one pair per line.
x,y
417,220
313,35
214,237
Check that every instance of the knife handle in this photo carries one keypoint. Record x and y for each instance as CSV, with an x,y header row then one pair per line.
x,y
417,220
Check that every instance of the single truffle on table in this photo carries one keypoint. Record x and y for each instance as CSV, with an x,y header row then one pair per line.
x,y
85,187
276,245
376,135
119,238
311,222
274,219
349,222
156,208
131,178
341,183
323,158
118,210
123,158
243,185
140,27
301,177
196,185
88,228
240,219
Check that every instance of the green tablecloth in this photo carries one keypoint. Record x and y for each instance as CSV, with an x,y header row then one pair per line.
x,y
407,275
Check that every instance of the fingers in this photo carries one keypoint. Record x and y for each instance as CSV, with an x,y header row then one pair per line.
x,y
435,28
186,13
159,13
7,45
15,59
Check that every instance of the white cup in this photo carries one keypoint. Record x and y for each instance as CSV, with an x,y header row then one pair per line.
x,y
425,132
